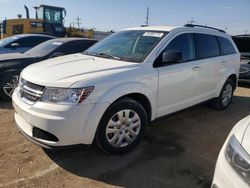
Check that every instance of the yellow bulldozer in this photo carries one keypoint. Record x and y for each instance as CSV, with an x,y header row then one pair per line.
x,y
48,20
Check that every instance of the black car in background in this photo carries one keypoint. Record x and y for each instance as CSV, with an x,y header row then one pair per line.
x,y
243,44
11,65
22,43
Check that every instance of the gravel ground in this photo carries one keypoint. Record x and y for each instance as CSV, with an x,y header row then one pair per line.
x,y
178,151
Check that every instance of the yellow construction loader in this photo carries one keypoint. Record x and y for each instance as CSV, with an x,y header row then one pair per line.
x,y
48,20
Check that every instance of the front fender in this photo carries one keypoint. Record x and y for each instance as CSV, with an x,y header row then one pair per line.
x,y
118,91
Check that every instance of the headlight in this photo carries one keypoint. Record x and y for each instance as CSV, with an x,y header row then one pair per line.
x,y
239,159
66,96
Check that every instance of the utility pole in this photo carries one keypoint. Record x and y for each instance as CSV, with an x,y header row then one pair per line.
x,y
78,19
246,31
192,21
147,17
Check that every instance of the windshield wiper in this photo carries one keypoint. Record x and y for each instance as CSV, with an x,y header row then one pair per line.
x,y
108,55
101,54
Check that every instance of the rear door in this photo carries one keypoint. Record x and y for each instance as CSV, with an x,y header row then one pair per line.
x,y
209,69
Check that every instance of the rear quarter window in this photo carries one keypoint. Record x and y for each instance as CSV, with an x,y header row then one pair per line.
x,y
226,46
207,45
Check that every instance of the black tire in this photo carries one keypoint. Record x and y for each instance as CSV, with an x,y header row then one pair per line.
x,y
111,113
6,79
217,103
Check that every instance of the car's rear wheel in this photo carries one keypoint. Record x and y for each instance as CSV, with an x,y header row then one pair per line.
x,y
225,97
121,127
8,85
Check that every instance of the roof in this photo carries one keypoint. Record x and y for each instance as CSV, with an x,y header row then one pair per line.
x,y
154,28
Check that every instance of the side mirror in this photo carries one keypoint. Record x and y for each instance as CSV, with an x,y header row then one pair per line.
x,y
56,54
15,45
172,57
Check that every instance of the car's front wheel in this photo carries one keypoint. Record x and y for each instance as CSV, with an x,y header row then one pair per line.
x,y
122,126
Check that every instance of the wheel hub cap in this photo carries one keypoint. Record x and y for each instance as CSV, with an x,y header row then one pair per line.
x,y
123,128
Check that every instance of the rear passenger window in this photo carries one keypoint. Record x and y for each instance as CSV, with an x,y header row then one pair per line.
x,y
185,44
226,46
208,46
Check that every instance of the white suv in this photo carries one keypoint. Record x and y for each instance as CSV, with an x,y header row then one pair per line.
x,y
109,93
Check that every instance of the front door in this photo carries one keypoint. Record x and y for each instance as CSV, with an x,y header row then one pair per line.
x,y
177,81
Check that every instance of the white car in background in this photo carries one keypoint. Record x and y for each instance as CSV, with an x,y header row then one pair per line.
x,y
233,164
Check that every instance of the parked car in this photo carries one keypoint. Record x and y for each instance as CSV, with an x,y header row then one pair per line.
x,y
12,64
112,91
233,164
243,44
22,43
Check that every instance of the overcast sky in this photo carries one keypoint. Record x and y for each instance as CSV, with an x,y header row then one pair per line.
x,y
115,15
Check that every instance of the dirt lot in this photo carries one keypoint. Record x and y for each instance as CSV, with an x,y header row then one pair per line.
x,y
178,151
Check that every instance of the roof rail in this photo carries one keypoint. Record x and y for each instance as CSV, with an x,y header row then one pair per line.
x,y
203,26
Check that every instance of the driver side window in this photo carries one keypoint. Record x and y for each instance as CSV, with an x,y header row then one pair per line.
x,y
184,44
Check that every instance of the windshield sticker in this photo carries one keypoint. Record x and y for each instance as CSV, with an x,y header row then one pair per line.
x,y
57,43
152,34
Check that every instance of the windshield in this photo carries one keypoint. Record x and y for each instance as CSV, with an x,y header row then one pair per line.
x,y
8,40
133,46
44,48
243,44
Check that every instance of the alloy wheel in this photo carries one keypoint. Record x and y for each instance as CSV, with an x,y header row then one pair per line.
x,y
10,86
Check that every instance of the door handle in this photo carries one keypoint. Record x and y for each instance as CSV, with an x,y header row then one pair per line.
x,y
223,62
196,68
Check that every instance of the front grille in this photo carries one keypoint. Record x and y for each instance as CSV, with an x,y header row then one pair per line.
x,y
41,134
30,92
244,69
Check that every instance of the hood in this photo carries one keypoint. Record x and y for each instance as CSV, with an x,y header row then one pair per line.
x,y
12,56
66,70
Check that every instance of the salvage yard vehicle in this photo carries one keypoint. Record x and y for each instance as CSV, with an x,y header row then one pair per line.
x,y
243,44
12,64
233,164
22,43
110,93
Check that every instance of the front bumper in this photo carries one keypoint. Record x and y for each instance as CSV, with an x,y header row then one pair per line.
x,y
70,124
225,176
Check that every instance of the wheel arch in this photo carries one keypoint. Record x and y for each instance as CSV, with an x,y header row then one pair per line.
x,y
231,75
234,78
142,100
136,91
